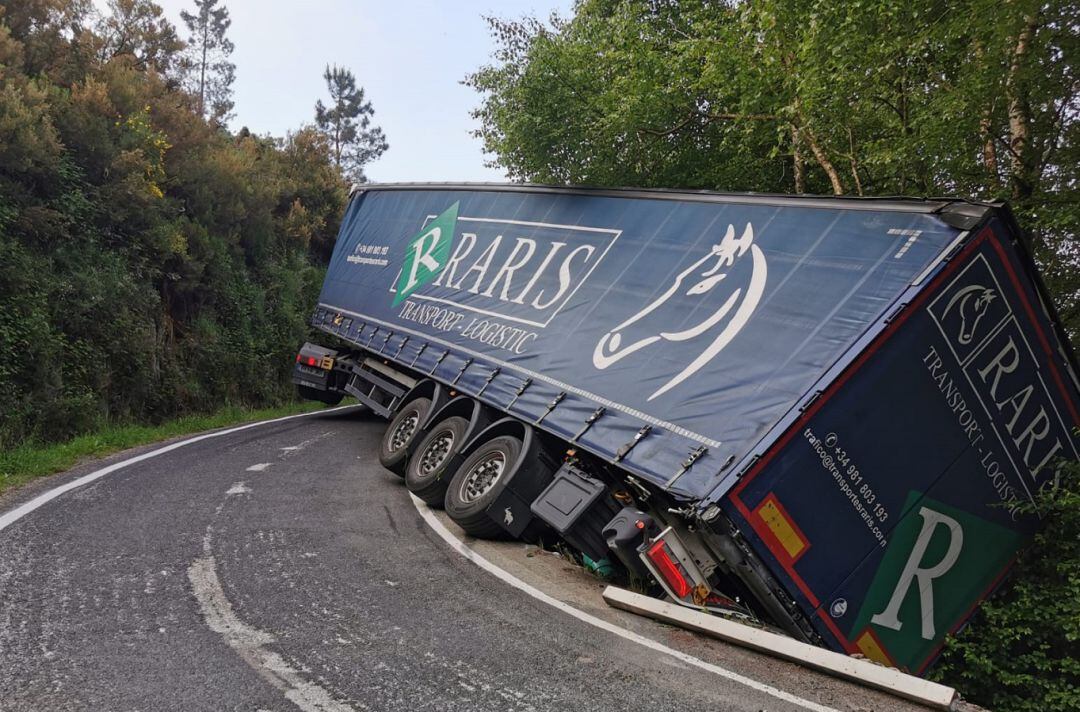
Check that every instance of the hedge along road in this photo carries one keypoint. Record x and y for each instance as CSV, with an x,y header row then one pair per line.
x,y
279,567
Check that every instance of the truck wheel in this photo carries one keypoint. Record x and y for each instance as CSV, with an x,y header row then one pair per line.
x,y
426,474
478,482
401,434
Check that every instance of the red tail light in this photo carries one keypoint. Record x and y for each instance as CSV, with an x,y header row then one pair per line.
x,y
298,358
312,361
669,569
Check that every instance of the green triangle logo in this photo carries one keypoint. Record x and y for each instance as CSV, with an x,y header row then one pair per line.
x,y
427,254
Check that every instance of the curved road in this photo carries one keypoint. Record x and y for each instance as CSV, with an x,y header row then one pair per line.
x,y
280,568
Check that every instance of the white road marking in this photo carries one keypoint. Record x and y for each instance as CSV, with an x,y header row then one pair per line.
x,y
207,586
463,549
238,488
293,449
249,642
258,467
9,518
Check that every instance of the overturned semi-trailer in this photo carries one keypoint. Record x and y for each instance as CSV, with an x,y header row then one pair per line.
x,y
820,411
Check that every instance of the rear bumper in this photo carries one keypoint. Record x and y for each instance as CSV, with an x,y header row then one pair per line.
x,y
311,377
318,375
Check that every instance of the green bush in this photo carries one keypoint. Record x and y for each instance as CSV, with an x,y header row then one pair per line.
x,y
152,264
1021,651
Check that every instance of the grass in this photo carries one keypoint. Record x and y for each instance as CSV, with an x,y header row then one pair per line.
x,y
31,460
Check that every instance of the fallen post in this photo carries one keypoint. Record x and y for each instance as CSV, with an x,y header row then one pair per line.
x,y
856,670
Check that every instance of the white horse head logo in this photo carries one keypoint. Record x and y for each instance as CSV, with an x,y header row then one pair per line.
x,y
703,276
973,302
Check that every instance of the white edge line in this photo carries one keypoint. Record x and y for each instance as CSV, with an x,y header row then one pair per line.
x,y
9,518
459,546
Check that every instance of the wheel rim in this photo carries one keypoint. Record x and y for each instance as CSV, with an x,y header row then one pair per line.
x,y
436,453
482,477
404,431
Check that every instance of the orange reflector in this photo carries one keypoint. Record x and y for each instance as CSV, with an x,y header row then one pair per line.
x,y
669,570
869,645
782,527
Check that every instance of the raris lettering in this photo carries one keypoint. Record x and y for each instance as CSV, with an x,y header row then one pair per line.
x,y
1012,390
519,271
514,274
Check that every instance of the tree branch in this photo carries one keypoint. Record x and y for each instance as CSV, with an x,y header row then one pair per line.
x,y
820,156
798,160
854,163
708,118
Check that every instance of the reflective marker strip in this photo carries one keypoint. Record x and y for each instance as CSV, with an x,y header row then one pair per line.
x,y
782,527
871,647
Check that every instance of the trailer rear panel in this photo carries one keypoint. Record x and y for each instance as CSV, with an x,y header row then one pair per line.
x,y
890,505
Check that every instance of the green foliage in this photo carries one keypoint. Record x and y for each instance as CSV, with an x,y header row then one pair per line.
x,y
873,97
1022,650
151,263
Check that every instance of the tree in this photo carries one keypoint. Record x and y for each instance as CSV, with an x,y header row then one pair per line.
x,y
976,98
354,142
138,28
51,32
151,263
209,71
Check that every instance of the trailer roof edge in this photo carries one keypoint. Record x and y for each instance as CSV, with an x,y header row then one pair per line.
x,y
942,205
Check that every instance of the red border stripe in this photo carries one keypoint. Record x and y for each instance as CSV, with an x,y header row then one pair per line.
x,y
1018,287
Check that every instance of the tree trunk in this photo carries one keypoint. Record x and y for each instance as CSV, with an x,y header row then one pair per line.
x,y
799,161
823,161
799,124
1020,177
202,70
989,152
854,162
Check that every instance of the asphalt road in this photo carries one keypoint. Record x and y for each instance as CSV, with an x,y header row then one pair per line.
x,y
281,568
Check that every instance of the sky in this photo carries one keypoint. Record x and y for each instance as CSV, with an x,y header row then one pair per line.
x,y
409,56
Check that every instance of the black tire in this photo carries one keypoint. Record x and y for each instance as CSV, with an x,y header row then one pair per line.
x,y
401,435
426,474
464,503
